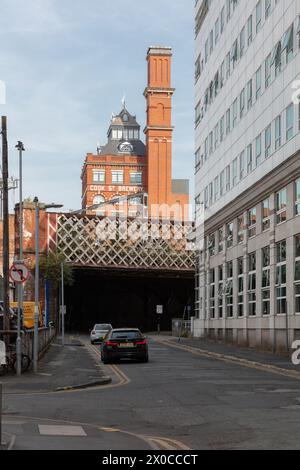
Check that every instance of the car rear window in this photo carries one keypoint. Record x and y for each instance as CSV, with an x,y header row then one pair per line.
x,y
103,327
126,334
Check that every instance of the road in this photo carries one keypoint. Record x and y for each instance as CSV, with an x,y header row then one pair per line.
x,y
177,401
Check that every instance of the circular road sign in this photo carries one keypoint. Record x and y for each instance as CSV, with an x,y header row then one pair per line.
x,y
19,273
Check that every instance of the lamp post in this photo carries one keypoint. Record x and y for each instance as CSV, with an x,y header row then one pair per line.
x,y
21,149
38,206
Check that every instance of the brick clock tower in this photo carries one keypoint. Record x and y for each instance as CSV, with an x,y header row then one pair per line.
x,y
126,168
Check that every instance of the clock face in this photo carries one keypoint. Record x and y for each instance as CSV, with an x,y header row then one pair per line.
x,y
125,147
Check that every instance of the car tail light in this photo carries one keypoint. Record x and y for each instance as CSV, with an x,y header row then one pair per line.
x,y
142,342
111,343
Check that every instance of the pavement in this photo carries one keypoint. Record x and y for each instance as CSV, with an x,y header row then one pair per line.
x,y
62,368
242,355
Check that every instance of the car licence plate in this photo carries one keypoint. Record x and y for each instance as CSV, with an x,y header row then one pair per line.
x,y
126,345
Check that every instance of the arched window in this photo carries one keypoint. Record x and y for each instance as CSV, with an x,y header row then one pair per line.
x,y
98,199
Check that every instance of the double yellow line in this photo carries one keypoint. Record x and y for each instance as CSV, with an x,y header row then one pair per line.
x,y
123,379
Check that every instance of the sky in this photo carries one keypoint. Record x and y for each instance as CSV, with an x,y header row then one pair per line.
x,y
68,63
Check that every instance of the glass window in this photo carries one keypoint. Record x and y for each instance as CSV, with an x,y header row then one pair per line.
x,y
242,165
297,197
228,178
290,44
249,159
290,122
221,239
266,257
228,65
258,83
278,132
136,177
212,244
212,293
136,134
130,134
297,246
266,302
222,182
249,94
268,71
117,176
229,235
240,224
242,41
217,30
266,213
258,150
222,122
281,300
234,172
99,176
250,30
242,103
258,16
252,261
297,298
234,113
268,6
268,141
222,18
228,121
252,222
216,188
281,205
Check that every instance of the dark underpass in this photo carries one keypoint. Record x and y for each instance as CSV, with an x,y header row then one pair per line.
x,y
127,299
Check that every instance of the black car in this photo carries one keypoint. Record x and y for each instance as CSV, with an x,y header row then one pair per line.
x,y
124,343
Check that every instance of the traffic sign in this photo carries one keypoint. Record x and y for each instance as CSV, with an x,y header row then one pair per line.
x,y
159,309
19,273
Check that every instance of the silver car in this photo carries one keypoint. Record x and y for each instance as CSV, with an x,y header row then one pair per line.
x,y
99,332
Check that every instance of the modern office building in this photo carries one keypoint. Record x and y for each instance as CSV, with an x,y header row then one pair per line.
x,y
130,170
247,166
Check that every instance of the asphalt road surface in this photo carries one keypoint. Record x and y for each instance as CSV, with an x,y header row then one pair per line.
x,y
176,401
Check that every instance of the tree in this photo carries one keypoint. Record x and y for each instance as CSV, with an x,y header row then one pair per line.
x,y
50,268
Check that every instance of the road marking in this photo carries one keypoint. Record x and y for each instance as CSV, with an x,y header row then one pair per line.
x,y
155,442
123,379
71,431
292,374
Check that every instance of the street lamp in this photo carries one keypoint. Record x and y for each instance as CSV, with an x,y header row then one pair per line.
x,y
38,206
21,149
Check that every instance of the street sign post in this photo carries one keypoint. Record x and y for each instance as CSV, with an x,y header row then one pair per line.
x,y
19,273
159,313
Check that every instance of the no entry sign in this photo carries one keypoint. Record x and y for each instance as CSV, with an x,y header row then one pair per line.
x,y
19,273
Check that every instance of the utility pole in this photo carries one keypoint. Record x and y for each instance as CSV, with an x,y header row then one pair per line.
x,y
36,289
6,322
21,149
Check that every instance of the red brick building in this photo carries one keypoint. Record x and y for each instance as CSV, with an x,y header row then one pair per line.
x,y
128,168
